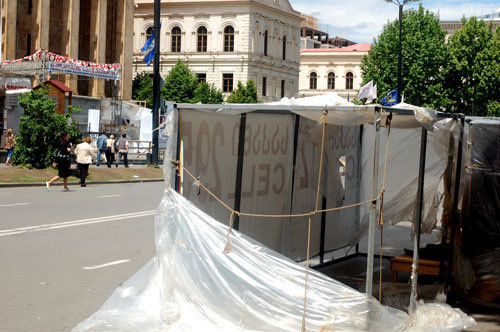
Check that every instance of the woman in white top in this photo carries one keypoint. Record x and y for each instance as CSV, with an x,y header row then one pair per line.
x,y
84,155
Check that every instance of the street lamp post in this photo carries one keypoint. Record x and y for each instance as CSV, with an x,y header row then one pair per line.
x,y
400,4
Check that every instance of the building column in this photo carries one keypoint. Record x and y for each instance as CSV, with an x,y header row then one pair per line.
x,y
124,47
9,35
43,23
71,36
97,27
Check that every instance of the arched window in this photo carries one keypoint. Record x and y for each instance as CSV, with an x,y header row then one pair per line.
x,y
149,32
202,39
229,39
349,81
284,48
266,35
176,39
331,81
313,81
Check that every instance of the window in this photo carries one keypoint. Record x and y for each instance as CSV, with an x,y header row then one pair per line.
x,y
331,81
202,39
229,39
265,42
202,77
282,88
284,48
149,32
264,86
176,39
227,82
313,81
349,80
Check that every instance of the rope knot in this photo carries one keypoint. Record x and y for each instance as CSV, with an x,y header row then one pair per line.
x,y
324,116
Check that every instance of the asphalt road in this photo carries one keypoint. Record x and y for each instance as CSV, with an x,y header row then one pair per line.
x,y
63,253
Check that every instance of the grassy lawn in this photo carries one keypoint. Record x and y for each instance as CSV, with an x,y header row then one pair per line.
x,y
20,174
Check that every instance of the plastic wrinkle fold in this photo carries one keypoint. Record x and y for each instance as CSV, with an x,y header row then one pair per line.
x,y
191,285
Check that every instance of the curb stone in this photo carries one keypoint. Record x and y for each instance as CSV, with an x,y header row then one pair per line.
x,y
42,184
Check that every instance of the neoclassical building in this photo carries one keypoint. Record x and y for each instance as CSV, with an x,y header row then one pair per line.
x,y
331,70
226,41
89,30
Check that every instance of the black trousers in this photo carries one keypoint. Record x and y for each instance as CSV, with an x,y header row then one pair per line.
x,y
125,158
110,157
84,170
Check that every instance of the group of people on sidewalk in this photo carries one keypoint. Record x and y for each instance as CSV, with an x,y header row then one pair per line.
x,y
85,155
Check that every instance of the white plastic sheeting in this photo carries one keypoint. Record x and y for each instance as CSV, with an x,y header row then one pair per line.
x,y
191,285
402,173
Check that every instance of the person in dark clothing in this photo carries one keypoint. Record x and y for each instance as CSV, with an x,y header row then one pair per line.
x,y
101,147
123,150
63,163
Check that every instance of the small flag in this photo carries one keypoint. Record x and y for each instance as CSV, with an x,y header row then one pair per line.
x,y
365,90
148,49
390,99
348,96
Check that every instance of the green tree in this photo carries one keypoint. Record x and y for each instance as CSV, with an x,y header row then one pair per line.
x,y
473,76
142,88
424,56
244,94
40,129
180,84
207,94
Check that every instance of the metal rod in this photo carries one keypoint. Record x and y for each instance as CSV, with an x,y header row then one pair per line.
x,y
323,232
400,55
373,206
239,170
454,210
418,219
156,81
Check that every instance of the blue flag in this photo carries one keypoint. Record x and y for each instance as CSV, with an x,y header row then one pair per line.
x,y
390,99
149,49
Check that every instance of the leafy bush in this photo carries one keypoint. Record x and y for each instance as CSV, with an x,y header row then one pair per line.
x,y
40,129
244,94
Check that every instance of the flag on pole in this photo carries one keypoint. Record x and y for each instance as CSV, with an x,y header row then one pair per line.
x,y
373,94
365,90
348,96
390,99
149,49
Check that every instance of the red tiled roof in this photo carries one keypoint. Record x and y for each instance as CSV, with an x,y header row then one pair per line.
x,y
58,84
361,47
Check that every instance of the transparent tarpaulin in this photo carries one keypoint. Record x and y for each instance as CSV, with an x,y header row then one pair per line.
x,y
192,285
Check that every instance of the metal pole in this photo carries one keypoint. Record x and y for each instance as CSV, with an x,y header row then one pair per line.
x,y
454,210
373,206
156,82
400,56
239,170
418,220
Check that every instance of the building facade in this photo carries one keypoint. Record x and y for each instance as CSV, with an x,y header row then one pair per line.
x,y
331,70
226,41
451,26
89,30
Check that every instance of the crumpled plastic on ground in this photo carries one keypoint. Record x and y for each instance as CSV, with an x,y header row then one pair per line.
x,y
192,285
439,317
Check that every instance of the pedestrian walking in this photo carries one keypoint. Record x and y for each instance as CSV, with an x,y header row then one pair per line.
x,y
63,162
123,150
84,155
101,147
110,150
10,141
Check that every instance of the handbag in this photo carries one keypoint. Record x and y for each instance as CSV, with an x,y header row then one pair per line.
x,y
62,158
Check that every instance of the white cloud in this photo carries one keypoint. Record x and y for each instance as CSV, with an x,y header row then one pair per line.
x,y
363,20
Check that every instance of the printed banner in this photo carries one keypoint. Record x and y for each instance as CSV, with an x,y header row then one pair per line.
x,y
71,68
15,83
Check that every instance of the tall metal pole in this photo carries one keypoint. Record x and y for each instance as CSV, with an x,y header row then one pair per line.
x,y
418,220
373,206
400,56
156,82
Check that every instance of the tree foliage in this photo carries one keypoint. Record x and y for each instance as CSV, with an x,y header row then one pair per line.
x,y
40,128
424,55
244,94
180,84
207,94
473,76
142,88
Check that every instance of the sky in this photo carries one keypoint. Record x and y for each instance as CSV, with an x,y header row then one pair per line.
x,y
362,20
